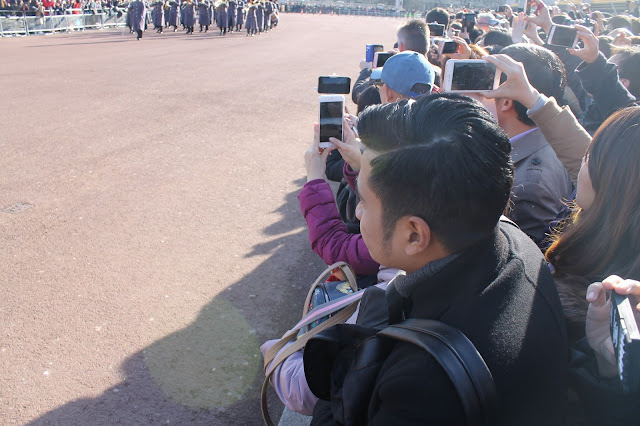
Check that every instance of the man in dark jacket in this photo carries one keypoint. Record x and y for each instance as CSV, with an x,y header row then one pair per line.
x,y
436,175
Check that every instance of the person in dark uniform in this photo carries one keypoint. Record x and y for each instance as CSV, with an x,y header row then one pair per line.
x,y
189,16
157,15
260,16
231,13
239,16
174,15
137,15
251,23
221,18
268,10
204,15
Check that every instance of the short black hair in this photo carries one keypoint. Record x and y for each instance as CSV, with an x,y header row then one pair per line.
x,y
629,68
414,35
497,37
619,21
370,96
439,15
545,72
442,158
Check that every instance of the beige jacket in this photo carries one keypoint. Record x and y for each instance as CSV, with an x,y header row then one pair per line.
x,y
562,131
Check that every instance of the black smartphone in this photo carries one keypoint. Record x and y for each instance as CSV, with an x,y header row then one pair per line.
x,y
501,9
626,341
334,85
436,30
469,21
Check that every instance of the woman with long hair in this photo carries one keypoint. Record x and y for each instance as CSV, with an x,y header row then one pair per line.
x,y
602,235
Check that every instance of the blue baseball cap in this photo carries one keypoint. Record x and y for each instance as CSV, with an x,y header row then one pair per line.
x,y
403,71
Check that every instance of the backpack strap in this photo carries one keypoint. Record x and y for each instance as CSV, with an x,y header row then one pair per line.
x,y
459,358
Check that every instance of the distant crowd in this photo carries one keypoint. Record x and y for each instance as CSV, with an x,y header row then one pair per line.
x,y
507,213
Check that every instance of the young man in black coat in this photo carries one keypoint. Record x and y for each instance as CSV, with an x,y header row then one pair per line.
x,y
435,177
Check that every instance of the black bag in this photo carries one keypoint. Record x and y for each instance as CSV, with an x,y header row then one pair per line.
x,y
361,351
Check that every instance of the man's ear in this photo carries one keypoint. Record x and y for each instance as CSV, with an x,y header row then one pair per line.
x,y
417,235
401,47
504,104
625,82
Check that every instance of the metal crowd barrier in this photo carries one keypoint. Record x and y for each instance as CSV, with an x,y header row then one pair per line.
x,y
30,25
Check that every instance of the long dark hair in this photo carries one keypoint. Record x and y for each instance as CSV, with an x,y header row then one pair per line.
x,y
604,239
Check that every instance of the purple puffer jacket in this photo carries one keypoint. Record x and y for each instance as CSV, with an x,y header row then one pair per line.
x,y
328,234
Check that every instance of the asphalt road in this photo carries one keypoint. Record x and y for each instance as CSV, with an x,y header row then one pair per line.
x,y
150,232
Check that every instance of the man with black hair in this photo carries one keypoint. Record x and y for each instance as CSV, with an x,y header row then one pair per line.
x,y
435,176
438,15
541,183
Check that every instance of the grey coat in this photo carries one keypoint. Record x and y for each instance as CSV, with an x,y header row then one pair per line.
x,y
540,184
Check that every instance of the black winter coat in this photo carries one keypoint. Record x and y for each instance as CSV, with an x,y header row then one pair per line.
x,y
500,294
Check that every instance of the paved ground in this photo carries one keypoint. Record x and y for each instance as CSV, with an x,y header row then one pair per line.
x,y
150,234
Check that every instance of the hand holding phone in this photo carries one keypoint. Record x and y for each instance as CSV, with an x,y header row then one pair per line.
x,y
599,319
315,158
590,45
517,86
541,18
350,148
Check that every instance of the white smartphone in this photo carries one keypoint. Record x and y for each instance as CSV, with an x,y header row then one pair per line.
x,y
470,75
379,58
563,35
331,115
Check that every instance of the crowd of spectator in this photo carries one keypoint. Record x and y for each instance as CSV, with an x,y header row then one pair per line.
x,y
507,214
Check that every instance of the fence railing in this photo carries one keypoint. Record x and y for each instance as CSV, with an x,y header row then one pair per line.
x,y
11,25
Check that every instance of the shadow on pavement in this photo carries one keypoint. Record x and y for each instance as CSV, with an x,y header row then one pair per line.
x,y
210,372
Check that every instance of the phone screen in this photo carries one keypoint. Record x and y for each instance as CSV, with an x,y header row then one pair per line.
x,y
436,30
382,58
473,76
449,47
331,120
341,85
563,36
